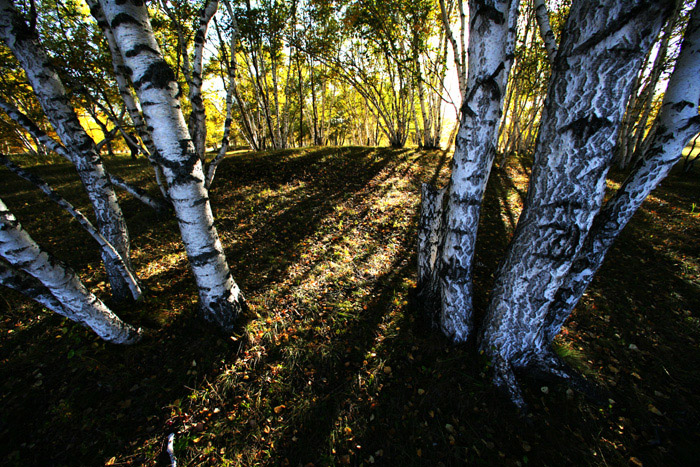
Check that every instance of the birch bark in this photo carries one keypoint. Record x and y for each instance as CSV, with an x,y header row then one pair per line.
x,y
492,36
198,118
158,91
600,53
678,122
77,303
24,44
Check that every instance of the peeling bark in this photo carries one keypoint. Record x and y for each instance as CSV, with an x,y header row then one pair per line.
x,y
158,91
77,303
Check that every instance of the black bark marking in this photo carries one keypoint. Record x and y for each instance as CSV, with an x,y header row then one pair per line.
x,y
490,85
133,2
140,48
203,258
182,169
20,30
692,121
466,201
585,127
199,37
124,18
159,75
489,13
679,106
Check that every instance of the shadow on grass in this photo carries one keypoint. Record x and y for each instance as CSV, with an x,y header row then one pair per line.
x,y
333,365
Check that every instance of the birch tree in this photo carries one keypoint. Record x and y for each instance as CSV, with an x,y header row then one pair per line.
x,y
158,91
450,216
23,41
46,280
565,229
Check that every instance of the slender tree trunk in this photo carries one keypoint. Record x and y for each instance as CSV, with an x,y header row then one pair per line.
x,y
51,94
600,53
492,36
77,303
106,247
542,16
198,117
157,89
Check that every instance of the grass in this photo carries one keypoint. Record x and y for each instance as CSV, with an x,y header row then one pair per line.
x,y
333,365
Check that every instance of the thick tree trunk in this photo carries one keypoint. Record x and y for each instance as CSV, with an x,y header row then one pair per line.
x,y
53,99
76,302
120,76
492,35
600,53
158,91
678,123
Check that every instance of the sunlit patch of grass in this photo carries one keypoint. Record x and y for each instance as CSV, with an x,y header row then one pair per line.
x,y
332,364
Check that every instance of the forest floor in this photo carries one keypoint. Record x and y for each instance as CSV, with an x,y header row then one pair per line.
x,y
333,364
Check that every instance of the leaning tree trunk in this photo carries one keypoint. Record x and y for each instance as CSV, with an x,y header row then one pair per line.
x,y
678,122
492,35
601,51
158,91
76,302
51,94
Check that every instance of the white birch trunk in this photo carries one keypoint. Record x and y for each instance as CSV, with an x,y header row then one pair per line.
x,y
18,280
678,123
157,89
132,107
53,99
78,304
492,36
198,118
104,244
600,54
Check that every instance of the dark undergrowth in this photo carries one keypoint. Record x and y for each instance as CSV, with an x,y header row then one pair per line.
x,y
333,365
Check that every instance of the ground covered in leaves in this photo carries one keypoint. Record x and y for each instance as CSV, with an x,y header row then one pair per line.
x,y
333,364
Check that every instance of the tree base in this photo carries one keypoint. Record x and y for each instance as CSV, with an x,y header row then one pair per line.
x,y
548,367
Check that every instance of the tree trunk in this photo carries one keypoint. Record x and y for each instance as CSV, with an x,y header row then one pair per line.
x,y
157,89
77,303
600,53
492,35
198,117
106,248
678,123
51,94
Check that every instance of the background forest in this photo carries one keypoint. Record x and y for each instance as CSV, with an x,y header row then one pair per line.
x,y
235,188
